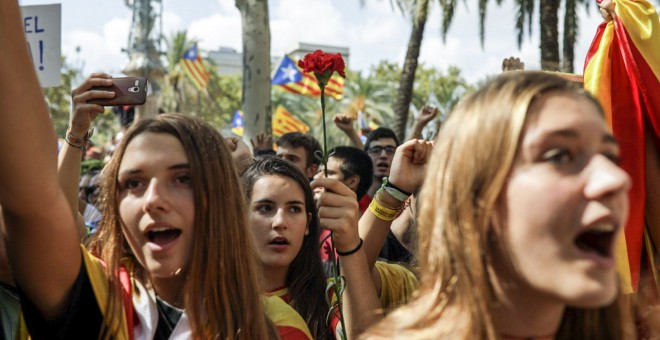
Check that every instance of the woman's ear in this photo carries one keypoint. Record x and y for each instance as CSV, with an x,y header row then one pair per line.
x,y
309,221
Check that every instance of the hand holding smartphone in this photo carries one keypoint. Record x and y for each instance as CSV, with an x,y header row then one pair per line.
x,y
128,91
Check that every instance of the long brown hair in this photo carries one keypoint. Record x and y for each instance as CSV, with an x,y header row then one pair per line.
x,y
305,278
221,295
468,171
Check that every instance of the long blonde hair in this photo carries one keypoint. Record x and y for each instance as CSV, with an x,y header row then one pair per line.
x,y
468,170
222,297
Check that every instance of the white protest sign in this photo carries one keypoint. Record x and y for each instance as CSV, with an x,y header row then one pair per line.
x,y
43,29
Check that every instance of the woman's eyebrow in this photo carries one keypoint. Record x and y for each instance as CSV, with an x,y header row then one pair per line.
x,y
135,171
179,166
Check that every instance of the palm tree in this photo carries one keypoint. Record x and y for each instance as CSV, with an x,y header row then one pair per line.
x,y
215,103
256,66
419,10
571,27
178,89
548,13
370,97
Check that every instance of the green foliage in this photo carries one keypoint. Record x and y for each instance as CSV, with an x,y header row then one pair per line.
x,y
58,98
449,86
373,94
90,165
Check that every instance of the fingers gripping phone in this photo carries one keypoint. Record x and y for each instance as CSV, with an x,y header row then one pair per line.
x,y
128,91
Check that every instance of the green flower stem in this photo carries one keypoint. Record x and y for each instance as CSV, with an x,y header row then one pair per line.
x,y
325,138
335,261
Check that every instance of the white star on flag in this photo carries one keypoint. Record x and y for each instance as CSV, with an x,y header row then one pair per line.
x,y
290,72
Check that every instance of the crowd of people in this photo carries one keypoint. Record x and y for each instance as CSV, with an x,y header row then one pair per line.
x,y
502,227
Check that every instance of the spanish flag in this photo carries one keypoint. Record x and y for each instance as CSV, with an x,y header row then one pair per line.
x,y
622,70
284,121
289,77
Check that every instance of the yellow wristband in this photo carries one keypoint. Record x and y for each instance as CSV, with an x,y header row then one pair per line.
x,y
382,212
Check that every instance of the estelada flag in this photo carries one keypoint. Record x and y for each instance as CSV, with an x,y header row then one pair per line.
x,y
194,68
622,70
290,78
284,121
237,123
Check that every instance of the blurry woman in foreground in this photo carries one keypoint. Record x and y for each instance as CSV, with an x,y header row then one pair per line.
x,y
517,225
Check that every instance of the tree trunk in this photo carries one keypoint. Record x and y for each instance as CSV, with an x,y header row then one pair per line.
x,y
570,33
549,35
407,80
256,67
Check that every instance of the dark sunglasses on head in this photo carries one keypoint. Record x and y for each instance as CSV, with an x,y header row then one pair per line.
x,y
376,150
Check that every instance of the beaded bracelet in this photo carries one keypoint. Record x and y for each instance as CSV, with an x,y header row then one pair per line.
x,y
78,143
352,251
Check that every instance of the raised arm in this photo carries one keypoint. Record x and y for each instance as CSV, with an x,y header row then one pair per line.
x,y
345,123
338,212
42,243
262,144
407,173
240,153
80,120
425,116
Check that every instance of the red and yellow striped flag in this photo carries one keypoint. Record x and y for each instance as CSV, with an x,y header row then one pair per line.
x,y
194,68
622,70
291,79
284,121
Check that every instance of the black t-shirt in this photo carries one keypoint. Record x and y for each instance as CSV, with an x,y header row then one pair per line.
x,y
393,251
82,317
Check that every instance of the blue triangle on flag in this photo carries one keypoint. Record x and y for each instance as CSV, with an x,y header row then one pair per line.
x,y
237,121
191,54
287,72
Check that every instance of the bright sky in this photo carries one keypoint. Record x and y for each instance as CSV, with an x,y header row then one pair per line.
x,y
373,32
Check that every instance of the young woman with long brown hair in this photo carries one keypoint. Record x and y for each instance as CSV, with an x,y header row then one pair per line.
x,y
286,227
173,257
518,219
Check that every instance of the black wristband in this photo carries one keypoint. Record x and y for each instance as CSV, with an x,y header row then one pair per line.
x,y
389,184
353,251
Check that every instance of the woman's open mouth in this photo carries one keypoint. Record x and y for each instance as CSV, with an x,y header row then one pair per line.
x,y
279,243
598,240
163,236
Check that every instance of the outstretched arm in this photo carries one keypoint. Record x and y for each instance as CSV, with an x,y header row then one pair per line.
x,y
80,120
42,243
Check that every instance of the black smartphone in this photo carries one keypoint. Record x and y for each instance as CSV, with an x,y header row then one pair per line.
x,y
128,91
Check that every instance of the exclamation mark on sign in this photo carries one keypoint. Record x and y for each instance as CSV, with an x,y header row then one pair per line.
x,y
41,55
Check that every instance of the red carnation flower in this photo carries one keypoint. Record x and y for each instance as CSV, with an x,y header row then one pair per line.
x,y
323,65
